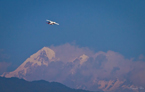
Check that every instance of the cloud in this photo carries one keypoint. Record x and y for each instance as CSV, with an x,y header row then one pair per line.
x,y
141,57
104,65
4,66
138,73
3,56
68,52
117,60
3,61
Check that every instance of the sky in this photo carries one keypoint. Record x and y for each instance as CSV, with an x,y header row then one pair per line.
x,y
98,25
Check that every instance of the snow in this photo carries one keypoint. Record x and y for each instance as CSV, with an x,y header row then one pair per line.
x,y
83,59
34,59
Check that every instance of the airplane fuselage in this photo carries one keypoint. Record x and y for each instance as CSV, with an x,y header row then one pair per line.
x,y
50,23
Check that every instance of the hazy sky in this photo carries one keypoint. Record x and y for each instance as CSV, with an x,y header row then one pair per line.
x,y
101,25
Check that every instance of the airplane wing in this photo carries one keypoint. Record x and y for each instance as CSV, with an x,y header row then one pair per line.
x,y
48,20
56,23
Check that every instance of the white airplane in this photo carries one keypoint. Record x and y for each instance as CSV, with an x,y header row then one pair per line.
x,y
51,22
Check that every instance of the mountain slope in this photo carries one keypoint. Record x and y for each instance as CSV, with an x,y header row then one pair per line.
x,y
20,85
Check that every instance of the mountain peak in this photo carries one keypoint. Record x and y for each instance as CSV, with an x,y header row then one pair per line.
x,y
45,51
83,58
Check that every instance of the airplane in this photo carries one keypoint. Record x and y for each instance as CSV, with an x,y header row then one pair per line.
x,y
51,22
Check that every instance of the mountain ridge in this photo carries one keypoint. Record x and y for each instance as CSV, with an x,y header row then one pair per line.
x,y
20,85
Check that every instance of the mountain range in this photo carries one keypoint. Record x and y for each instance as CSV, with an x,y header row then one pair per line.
x,y
86,70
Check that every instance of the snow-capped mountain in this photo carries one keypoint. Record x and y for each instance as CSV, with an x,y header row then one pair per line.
x,y
84,72
42,58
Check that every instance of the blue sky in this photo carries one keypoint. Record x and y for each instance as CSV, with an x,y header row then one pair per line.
x,y
99,25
